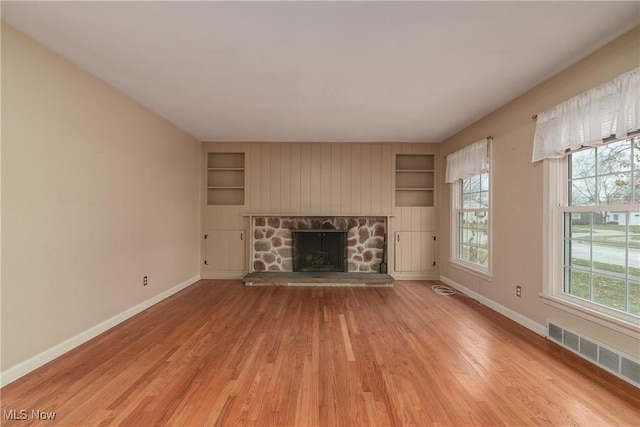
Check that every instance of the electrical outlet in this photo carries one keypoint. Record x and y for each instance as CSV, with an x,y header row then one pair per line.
x,y
518,291
145,281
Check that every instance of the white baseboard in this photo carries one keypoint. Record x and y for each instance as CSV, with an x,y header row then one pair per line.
x,y
413,276
507,312
58,350
223,275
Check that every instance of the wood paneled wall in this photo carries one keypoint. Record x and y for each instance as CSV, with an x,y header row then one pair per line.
x,y
319,179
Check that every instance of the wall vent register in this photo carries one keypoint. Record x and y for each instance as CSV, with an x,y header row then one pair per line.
x,y
617,363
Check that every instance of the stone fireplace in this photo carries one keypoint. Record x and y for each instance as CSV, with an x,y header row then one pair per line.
x,y
274,239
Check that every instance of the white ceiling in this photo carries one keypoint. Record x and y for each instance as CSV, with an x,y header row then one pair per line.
x,y
323,71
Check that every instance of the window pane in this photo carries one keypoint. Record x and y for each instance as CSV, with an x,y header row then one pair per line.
x,y
614,188
633,245
484,182
474,193
474,254
484,199
578,284
634,298
471,201
471,184
578,238
609,291
481,219
614,157
583,192
483,257
635,156
578,225
468,218
466,235
483,239
582,164
609,247
582,181
463,252
581,262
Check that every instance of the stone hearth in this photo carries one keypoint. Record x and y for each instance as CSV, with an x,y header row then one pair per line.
x,y
274,278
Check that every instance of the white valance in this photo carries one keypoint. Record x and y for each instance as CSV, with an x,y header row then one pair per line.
x,y
611,109
469,161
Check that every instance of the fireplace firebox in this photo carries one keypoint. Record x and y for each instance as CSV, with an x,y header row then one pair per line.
x,y
319,250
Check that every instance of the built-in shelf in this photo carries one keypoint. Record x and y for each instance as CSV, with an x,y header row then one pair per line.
x,y
225,178
414,180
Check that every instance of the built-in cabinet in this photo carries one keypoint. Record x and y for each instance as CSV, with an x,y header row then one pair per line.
x,y
415,251
412,239
225,252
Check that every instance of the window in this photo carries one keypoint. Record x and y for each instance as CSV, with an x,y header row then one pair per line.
x,y
469,173
473,221
602,247
591,161
593,265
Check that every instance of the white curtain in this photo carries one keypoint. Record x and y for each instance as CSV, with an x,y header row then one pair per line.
x,y
613,108
469,161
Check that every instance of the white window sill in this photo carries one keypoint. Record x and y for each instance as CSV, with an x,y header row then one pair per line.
x,y
471,270
581,309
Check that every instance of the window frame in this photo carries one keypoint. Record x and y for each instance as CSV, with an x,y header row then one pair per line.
x,y
555,205
456,209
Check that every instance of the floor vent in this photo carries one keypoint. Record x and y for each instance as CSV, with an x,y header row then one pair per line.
x,y
619,364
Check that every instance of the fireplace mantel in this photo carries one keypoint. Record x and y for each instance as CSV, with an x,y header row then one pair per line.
x,y
329,215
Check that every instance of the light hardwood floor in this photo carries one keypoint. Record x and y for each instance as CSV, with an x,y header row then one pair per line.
x,y
219,353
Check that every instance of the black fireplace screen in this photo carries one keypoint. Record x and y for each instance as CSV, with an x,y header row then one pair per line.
x,y
319,250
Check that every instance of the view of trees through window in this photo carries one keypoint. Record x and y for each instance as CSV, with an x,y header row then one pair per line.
x,y
602,245
473,220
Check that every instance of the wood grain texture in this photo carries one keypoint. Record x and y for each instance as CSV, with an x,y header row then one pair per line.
x,y
219,353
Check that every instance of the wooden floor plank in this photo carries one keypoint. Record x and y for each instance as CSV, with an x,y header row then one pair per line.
x,y
220,353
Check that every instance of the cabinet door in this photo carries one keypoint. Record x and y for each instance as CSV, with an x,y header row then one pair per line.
x,y
414,251
225,251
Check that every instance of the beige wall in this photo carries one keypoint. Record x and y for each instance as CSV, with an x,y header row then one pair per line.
x,y
97,192
517,191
